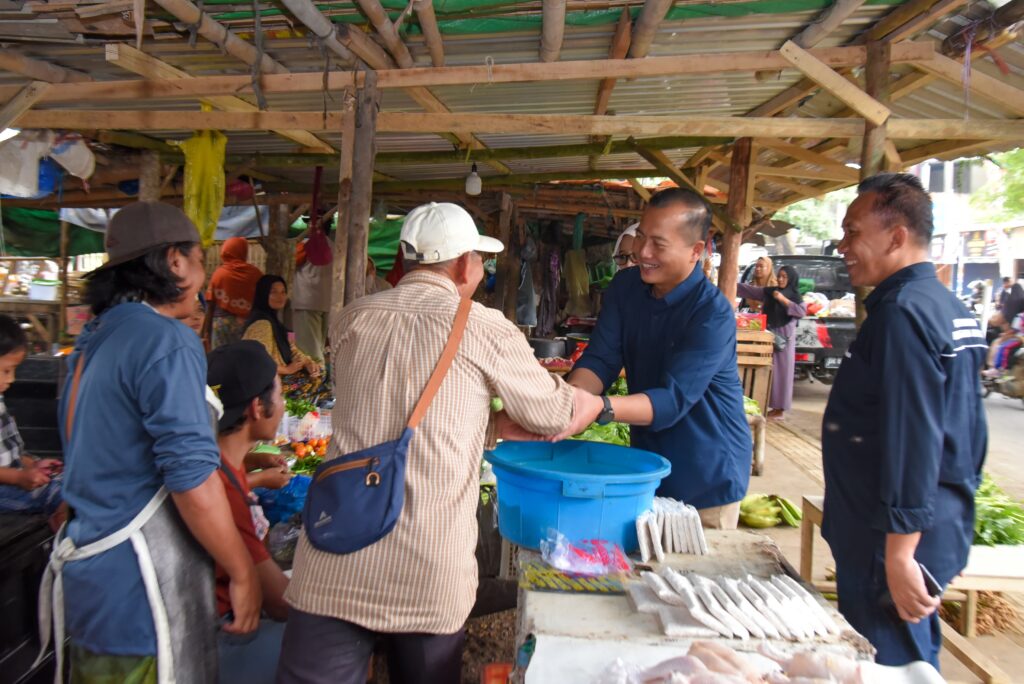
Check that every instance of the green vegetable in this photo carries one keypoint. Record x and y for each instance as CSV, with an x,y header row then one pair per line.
x,y
998,519
751,407
307,466
612,433
298,407
497,405
618,388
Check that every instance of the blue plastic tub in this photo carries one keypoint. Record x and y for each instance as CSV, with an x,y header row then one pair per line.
x,y
585,490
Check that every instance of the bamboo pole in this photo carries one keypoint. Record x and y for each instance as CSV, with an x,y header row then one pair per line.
x,y
431,33
38,70
62,324
646,26
368,103
553,30
150,181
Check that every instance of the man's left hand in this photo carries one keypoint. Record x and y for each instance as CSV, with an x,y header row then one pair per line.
x,y
512,431
261,460
909,594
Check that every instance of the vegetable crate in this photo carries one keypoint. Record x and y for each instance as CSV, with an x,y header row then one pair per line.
x,y
754,358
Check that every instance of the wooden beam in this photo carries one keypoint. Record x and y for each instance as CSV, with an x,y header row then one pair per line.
x,y
361,201
945,149
543,124
664,165
188,13
149,177
431,32
980,84
135,141
1001,19
959,647
345,169
640,190
805,155
306,12
739,210
893,160
906,12
876,81
647,26
386,30
505,274
38,70
22,102
823,75
825,23
618,50
925,20
847,175
552,30
422,77
138,62
353,38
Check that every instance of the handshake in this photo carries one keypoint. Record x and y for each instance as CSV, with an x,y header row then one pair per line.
x,y
586,408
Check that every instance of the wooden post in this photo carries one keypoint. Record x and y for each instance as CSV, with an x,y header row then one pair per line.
x,y
62,324
738,209
278,253
364,152
872,157
149,177
348,135
506,262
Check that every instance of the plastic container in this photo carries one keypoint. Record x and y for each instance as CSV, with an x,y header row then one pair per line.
x,y
43,290
585,490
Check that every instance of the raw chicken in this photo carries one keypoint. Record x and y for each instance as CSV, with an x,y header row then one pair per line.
x,y
684,665
809,665
722,659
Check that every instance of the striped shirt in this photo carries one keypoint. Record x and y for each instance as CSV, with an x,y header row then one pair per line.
x,y
423,576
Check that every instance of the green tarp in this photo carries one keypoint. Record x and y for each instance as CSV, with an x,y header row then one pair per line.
x,y
36,232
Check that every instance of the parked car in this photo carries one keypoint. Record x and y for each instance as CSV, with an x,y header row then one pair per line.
x,y
821,342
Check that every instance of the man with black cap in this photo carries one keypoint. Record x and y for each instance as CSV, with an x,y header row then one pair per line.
x,y
244,378
127,577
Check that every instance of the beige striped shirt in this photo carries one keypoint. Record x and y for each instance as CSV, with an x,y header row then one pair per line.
x,y
423,576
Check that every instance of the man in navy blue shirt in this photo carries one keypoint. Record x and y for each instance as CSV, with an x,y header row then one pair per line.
x,y
675,334
904,434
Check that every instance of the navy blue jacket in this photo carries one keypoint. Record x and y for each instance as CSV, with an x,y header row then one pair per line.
x,y
681,352
904,433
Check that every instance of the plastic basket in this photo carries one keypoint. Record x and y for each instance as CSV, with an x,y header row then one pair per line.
x,y
585,490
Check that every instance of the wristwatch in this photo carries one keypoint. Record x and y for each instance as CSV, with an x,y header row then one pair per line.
x,y
607,415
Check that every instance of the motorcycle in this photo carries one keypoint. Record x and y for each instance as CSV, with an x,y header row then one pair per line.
x,y
1009,383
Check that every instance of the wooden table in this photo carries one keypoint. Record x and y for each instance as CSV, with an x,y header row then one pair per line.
x,y
589,631
979,575
43,315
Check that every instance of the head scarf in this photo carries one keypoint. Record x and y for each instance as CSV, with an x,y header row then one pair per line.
x,y
261,311
234,281
1013,303
753,304
776,311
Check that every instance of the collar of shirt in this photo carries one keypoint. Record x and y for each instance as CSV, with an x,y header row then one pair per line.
x,y
919,271
425,277
680,291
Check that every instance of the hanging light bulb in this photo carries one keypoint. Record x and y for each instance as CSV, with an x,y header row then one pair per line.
x,y
473,183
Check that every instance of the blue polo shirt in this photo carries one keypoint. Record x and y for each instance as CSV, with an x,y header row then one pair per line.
x,y
140,423
680,351
904,433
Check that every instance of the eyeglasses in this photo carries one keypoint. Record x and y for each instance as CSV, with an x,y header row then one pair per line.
x,y
621,259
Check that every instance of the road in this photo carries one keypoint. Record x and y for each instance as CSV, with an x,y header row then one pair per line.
x,y
1005,460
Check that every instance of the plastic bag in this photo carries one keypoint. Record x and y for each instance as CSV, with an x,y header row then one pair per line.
x,y
589,557
577,281
204,180
281,504
283,538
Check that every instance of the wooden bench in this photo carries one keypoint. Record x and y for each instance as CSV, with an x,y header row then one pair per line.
x,y
977,576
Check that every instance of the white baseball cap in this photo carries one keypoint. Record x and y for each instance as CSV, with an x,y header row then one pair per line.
x,y
438,232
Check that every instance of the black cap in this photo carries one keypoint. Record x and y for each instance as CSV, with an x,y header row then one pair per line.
x,y
238,373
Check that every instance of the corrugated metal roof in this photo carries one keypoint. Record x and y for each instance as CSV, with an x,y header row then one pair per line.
x,y
690,94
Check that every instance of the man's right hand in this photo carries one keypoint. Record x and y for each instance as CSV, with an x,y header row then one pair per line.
x,y
32,478
586,408
246,599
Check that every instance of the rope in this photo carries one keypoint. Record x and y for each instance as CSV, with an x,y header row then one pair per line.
x,y
193,29
489,63
257,66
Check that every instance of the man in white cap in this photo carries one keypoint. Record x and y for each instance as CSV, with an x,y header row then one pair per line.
x,y
414,588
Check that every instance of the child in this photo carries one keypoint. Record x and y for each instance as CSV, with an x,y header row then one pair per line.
x,y
27,485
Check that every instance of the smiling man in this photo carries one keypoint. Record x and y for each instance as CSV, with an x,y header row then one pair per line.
x,y
904,434
675,334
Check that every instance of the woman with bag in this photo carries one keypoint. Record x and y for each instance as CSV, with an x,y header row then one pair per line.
x,y
783,307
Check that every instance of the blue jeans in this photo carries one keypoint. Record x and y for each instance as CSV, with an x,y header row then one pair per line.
x,y
46,499
252,662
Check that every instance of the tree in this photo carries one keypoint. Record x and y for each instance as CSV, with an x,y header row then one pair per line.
x,y
818,218
1002,199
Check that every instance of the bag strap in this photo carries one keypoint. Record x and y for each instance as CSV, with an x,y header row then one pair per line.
x,y
73,399
443,364
234,482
